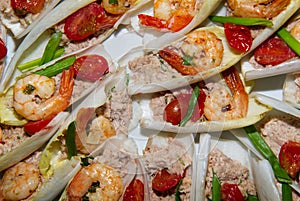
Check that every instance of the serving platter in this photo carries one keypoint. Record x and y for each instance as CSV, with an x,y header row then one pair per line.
x,y
124,39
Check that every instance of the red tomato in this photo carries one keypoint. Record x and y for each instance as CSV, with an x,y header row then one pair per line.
x,y
90,67
231,192
84,22
33,127
164,181
22,7
239,37
3,49
135,191
289,158
151,21
273,52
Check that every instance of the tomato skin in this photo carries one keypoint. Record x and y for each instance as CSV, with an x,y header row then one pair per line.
x,y
33,127
90,67
164,181
84,22
231,192
239,37
135,191
3,49
22,7
273,52
151,21
289,158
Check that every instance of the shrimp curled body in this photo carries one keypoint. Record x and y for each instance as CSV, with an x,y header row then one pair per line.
x,y
109,188
34,96
20,181
222,104
257,8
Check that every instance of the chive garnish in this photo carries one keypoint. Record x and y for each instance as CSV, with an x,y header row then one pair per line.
x,y
177,194
286,192
70,140
292,42
51,47
216,188
242,21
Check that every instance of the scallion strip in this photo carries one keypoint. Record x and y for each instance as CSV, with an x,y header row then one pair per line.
x,y
266,151
192,104
30,65
242,21
216,188
252,198
286,192
57,67
177,193
51,47
70,140
292,42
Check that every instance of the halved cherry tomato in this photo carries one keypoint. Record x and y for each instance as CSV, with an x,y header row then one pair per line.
x,y
151,21
135,191
176,110
33,127
22,7
289,158
231,192
85,22
273,52
3,49
90,67
238,36
164,181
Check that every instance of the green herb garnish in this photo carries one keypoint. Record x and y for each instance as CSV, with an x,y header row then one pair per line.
x,y
51,48
94,187
28,89
85,160
216,188
286,192
70,140
292,42
113,1
188,60
177,193
242,21
252,198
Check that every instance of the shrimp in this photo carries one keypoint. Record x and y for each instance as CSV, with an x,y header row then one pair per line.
x,y
96,182
257,8
100,129
20,181
34,96
203,47
119,7
221,105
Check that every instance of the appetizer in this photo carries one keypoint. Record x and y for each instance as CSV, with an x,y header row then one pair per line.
x,y
106,174
275,56
218,103
276,139
77,24
224,175
179,63
168,162
20,16
291,89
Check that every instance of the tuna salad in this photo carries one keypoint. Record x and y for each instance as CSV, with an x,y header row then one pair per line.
x,y
170,161
228,171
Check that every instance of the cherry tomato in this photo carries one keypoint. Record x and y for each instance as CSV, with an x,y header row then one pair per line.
x,y
164,181
3,49
273,52
289,158
231,192
151,21
135,191
33,127
84,22
22,7
90,67
239,37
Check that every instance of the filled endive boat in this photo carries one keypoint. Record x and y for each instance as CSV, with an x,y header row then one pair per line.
x,y
107,174
223,169
90,124
273,56
278,132
291,89
21,16
179,63
78,27
218,103
169,164
165,19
